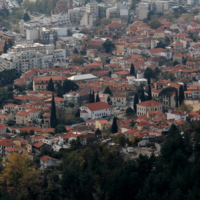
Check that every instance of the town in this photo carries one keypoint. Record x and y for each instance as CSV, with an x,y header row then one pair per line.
x,y
96,95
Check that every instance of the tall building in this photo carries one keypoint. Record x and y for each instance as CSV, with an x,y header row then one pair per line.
x,y
143,10
92,8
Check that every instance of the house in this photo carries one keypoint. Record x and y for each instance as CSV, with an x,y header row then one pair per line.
x,y
194,116
102,124
177,115
147,106
37,147
95,110
10,150
59,102
87,139
5,143
47,161
118,100
72,96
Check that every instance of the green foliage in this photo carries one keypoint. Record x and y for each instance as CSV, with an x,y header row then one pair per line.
x,y
7,76
168,91
5,48
132,70
149,93
114,127
129,111
98,132
60,129
121,140
97,98
30,86
176,98
69,85
78,59
142,95
53,113
136,101
154,24
181,95
108,90
108,46
175,63
26,17
50,86
108,99
149,73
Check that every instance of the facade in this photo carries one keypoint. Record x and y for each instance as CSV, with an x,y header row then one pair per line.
x,y
147,106
40,83
102,124
72,96
95,110
118,100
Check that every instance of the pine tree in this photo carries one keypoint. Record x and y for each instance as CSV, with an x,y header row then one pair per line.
x,y
26,17
90,97
50,86
59,90
114,127
108,99
98,132
142,95
53,113
97,97
149,93
5,48
107,91
149,80
181,95
10,43
132,70
176,98
136,101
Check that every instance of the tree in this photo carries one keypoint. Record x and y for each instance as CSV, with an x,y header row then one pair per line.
x,y
154,24
108,46
149,73
19,173
10,43
129,111
148,80
136,101
132,71
175,63
50,86
121,140
5,48
168,91
53,113
93,97
69,85
107,91
97,98
59,90
184,107
78,59
77,114
60,129
181,95
108,99
176,98
98,132
185,87
149,93
142,95
90,97
114,127
30,86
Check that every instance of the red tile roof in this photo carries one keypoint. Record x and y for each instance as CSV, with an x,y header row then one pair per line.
x,y
97,106
149,103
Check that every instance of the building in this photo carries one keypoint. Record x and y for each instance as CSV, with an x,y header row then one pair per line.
x,y
147,106
5,143
102,124
92,8
88,20
95,110
47,161
142,10
83,77
118,100
72,97
40,83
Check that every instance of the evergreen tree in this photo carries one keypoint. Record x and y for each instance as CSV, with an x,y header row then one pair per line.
x,y
136,101
59,90
181,95
185,87
149,80
107,91
50,86
93,97
97,97
10,43
98,132
149,93
114,127
176,98
77,114
53,113
26,17
45,182
132,70
142,95
108,99
5,48
90,97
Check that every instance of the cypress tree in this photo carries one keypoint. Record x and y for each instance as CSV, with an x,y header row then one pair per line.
x,y
149,80
108,99
50,86
97,97
114,126
136,101
53,113
185,87
142,95
176,98
93,97
90,97
59,90
149,93
181,95
5,48
132,70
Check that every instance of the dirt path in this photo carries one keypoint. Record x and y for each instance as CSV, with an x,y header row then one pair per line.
x,y
195,104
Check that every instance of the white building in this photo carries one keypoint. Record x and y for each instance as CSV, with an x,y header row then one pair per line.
x,y
88,20
72,97
83,77
177,115
47,161
143,10
95,110
92,8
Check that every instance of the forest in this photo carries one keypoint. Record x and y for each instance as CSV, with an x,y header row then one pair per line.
x,y
100,172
